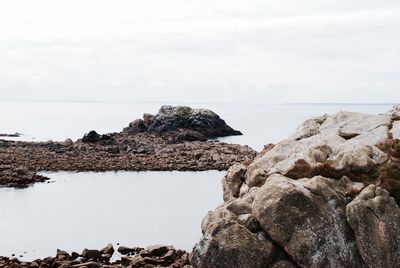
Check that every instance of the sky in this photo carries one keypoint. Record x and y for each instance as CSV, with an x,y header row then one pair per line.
x,y
253,51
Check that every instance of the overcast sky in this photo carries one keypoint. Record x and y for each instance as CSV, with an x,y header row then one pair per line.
x,y
263,51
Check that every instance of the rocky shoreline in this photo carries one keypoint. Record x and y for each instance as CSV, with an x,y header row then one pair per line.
x,y
177,138
14,135
326,197
136,257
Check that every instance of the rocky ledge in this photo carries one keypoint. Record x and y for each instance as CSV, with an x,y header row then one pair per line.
x,y
328,196
177,138
154,256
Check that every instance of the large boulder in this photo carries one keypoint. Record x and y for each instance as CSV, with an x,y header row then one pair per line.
x,y
325,197
375,218
307,218
227,243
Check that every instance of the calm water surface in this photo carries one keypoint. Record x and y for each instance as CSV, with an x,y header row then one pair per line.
x,y
79,210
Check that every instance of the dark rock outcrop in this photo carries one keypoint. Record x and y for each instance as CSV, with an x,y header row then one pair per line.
x,y
326,197
174,139
197,124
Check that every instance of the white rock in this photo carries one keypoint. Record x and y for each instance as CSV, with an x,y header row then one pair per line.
x,y
343,140
395,112
396,130
307,129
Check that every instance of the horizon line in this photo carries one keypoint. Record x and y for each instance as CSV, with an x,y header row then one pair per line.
x,y
183,102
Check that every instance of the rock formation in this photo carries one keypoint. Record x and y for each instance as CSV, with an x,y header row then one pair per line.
x,y
174,139
328,196
198,124
151,257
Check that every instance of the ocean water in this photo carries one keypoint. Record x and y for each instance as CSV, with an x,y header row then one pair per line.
x,y
260,123
79,210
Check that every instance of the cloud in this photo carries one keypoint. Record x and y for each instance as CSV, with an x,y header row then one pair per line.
x,y
280,51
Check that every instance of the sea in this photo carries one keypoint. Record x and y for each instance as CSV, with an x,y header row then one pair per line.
x,y
89,210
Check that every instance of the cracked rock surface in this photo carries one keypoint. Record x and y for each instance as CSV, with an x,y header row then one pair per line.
x,y
328,196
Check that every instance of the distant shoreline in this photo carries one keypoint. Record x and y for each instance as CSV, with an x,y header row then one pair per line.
x,y
194,103
14,135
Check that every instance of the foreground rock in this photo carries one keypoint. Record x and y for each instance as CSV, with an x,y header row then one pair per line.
x,y
154,256
174,139
326,197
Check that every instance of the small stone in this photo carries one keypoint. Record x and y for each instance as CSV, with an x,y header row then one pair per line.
x,y
109,249
91,254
